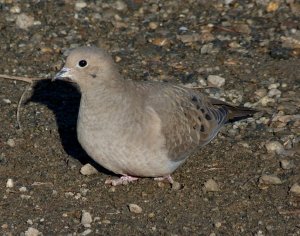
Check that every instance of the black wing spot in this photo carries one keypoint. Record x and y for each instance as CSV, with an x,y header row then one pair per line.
x,y
202,110
93,75
197,106
199,118
208,117
194,99
202,129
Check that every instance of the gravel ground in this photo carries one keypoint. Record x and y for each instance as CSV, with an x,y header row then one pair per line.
x,y
245,182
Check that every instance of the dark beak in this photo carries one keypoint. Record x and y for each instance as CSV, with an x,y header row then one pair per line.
x,y
63,74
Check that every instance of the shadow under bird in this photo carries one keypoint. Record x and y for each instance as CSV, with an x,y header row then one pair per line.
x,y
140,128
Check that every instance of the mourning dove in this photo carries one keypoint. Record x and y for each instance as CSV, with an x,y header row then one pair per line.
x,y
140,128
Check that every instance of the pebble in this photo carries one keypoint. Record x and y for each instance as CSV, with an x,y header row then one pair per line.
x,y
23,189
6,100
189,38
135,208
9,183
88,169
286,164
153,25
266,100
295,189
15,9
274,93
274,147
211,186
216,80
11,142
32,232
80,5
176,185
261,92
86,232
269,180
86,219
24,21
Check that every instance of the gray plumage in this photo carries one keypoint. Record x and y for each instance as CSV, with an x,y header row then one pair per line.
x,y
140,128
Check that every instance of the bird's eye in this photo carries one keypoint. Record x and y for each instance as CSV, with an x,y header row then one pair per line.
x,y
82,63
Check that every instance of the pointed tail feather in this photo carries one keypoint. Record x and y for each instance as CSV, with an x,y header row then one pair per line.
x,y
235,113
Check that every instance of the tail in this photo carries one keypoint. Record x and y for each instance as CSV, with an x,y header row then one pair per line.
x,y
235,113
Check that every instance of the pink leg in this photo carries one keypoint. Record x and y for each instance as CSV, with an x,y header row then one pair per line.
x,y
123,180
167,177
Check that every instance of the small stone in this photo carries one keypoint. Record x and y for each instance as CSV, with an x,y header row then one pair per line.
x,y
216,80
272,6
32,232
261,93
79,5
86,219
118,59
88,169
86,232
11,142
15,9
160,41
120,5
135,208
269,180
274,147
23,189
274,93
286,164
266,100
153,25
4,226
211,186
106,222
218,224
151,215
189,38
176,186
30,222
207,48
6,100
24,21
295,189
9,183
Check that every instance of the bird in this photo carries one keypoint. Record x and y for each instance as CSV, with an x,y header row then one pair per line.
x,y
138,128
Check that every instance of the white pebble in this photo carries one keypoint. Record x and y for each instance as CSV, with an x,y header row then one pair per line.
x,y
86,232
11,142
6,100
269,179
265,100
86,219
274,93
286,164
88,169
216,80
274,147
9,183
79,5
273,86
23,189
15,9
211,186
24,21
32,232
135,208
295,189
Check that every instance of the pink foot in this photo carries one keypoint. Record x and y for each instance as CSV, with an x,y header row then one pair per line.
x,y
167,177
123,180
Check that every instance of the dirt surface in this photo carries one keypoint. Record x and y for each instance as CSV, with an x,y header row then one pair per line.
x,y
253,45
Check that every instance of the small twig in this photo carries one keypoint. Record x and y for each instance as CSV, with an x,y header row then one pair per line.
x,y
20,78
19,105
24,79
